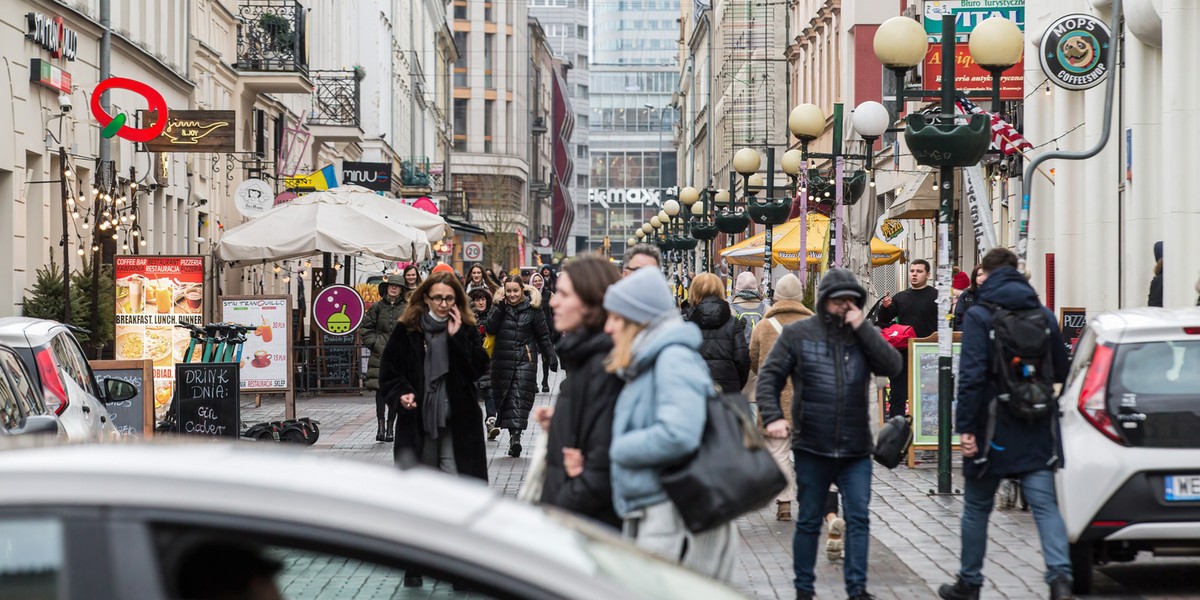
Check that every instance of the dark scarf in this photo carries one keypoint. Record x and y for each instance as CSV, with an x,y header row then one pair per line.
x,y
437,364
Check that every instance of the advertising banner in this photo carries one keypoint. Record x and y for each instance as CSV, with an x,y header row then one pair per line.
x,y
970,77
980,206
153,293
264,362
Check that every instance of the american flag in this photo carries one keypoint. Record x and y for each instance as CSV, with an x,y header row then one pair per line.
x,y
1004,136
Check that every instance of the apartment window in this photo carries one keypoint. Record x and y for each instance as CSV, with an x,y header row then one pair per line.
x,y
489,14
581,91
581,32
460,67
460,9
581,182
581,151
581,121
509,54
489,117
460,124
489,43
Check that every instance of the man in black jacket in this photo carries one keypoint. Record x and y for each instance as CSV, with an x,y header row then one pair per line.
x,y
997,445
830,360
917,308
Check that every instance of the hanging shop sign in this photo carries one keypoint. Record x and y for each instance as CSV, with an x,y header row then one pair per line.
x,y
253,198
44,73
50,33
320,181
1074,51
652,196
114,125
197,131
371,175
968,14
153,293
338,310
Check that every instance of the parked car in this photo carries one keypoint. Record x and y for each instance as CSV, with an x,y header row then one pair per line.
x,y
60,368
330,526
21,409
1131,437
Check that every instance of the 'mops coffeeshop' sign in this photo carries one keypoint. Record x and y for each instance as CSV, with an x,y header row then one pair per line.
x,y
1074,51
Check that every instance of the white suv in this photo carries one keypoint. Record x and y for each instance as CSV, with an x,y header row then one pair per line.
x,y
59,366
1131,436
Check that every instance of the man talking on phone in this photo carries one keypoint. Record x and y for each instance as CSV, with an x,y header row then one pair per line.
x,y
830,360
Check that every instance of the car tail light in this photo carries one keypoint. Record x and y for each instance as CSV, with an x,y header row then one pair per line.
x,y
1192,330
1093,399
51,381
1110,524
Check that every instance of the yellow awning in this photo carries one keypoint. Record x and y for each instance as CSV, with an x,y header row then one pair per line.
x,y
785,247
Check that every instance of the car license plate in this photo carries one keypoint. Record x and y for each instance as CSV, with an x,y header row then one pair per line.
x,y
1183,488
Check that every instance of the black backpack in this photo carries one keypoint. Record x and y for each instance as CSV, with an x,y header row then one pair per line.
x,y
1022,364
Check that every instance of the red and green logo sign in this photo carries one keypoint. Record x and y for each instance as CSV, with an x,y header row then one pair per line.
x,y
156,110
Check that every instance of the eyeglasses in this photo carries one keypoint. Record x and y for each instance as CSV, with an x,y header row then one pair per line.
x,y
441,299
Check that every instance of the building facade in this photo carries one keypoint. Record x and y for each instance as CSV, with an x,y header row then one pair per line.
x,y
569,35
491,124
633,76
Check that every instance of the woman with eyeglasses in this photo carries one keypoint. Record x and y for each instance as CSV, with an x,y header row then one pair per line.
x,y
521,331
429,369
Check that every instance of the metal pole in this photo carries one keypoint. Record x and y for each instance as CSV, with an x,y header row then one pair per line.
x,y
105,69
839,208
945,213
768,260
802,192
62,186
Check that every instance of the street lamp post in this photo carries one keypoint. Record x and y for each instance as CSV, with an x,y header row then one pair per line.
x,y
900,44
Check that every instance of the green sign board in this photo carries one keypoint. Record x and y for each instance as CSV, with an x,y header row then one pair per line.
x,y
968,14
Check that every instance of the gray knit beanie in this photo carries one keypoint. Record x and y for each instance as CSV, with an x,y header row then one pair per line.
x,y
641,297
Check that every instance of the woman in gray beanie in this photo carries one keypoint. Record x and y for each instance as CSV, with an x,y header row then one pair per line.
x,y
658,421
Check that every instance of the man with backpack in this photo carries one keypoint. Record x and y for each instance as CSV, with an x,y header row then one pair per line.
x,y
747,303
1012,355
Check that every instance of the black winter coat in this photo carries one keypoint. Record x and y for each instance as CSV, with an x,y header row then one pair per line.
x,y
520,332
377,327
830,365
1016,447
965,301
583,419
724,347
402,371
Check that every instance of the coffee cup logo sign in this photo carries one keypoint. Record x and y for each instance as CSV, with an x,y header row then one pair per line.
x,y
253,198
50,33
156,111
1074,51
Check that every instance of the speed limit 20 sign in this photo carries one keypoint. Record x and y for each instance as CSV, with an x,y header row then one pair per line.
x,y
473,251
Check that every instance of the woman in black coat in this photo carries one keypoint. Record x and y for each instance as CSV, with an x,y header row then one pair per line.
x,y
541,284
580,425
968,297
521,331
724,347
429,368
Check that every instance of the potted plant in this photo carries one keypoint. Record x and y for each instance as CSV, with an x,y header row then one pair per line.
x,y
278,30
359,72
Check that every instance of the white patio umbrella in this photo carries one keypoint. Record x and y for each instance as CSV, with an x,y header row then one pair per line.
x,y
348,220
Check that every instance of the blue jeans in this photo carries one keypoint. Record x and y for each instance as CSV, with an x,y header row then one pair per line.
x,y
978,498
814,474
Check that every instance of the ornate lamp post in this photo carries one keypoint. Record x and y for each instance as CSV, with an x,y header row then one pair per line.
x,y
900,44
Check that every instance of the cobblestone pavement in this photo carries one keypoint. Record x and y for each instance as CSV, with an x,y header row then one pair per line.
x,y
914,535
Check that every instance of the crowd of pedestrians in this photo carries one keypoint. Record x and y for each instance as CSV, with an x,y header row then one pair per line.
x,y
455,362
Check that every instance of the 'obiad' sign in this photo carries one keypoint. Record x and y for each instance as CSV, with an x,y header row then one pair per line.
x,y
197,131
1074,51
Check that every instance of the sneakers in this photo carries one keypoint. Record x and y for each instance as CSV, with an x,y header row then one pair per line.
x,y
493,431
514,444
1060,588
783,511
835,546
545,387
961,590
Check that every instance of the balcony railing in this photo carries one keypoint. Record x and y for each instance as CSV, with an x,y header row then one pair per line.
x,y
271,36
335,99
455,204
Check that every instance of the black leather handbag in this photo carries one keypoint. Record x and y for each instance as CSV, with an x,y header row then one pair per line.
x,y
893,441
732,472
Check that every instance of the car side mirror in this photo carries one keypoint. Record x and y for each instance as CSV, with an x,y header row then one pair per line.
x,y
117,390
38,424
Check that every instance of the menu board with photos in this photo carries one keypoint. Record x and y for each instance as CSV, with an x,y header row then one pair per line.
x,y
153,293
265,355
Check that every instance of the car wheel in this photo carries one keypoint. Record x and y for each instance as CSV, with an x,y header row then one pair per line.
x,y
1082,562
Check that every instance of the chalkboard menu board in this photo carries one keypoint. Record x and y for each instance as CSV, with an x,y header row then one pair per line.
x,y
133,417
340,363
1071,321
206,399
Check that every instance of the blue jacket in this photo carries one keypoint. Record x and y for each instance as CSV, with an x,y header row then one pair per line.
x,y
660,415
830,366
1016,447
